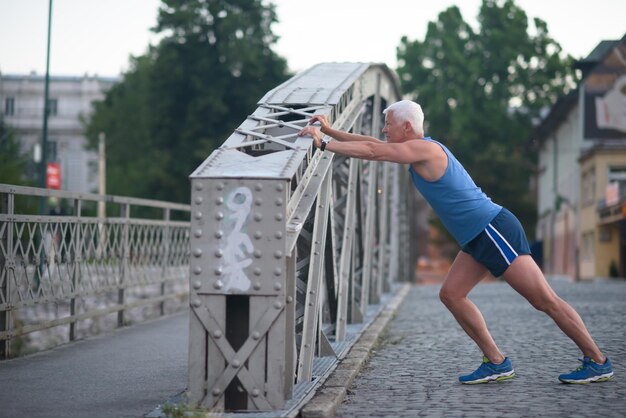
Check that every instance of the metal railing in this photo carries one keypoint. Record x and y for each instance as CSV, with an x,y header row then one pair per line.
x,y
73,270
291,245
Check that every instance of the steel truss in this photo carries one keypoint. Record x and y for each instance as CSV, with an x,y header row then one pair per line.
x,y
290,245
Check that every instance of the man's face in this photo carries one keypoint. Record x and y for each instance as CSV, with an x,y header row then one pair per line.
x,y
394,130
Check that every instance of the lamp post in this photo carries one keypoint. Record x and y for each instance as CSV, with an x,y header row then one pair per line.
x,y
44,136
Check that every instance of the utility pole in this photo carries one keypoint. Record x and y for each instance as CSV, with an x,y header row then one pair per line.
x,y
46,110
102,192
102,171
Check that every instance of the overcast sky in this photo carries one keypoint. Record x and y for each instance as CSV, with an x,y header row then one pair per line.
x,y
98,36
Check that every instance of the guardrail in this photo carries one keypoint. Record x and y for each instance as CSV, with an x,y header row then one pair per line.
x,y
74,269
291,246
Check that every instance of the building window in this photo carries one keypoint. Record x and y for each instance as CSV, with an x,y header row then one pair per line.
x,y
589,187
617,174
51,151
9,106
589,246
53,107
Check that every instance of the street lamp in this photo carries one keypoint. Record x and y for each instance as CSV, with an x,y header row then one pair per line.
x,y
44,136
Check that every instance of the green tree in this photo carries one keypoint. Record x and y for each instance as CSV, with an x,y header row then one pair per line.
x,y
14,163
482,89
185,96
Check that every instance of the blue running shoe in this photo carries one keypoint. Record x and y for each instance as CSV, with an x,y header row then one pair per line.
x,y
588,372
489,372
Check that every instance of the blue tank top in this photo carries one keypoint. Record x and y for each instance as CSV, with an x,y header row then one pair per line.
x,y
463,207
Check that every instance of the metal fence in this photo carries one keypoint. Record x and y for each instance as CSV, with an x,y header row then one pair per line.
x,y
291,245
78,272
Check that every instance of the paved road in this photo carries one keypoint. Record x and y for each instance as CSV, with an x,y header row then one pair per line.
x,y
414,373
123,374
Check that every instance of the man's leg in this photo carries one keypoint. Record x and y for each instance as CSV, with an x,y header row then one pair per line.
x,y
527,279
464,274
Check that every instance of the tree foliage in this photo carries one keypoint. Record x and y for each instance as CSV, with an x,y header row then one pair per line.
x,y
13,162
182,99
483,88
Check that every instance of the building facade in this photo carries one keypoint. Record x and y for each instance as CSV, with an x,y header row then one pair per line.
x,y
581,161
70,105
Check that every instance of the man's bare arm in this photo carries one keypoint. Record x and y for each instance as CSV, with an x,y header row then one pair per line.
x,y
340,135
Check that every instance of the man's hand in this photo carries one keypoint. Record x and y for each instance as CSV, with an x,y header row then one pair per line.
x,y
314,133
323,120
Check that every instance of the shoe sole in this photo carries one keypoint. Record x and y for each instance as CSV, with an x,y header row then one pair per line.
x,y
490,379
598,379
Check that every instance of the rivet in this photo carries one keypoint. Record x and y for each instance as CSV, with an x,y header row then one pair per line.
x,y
307,345
279,202
197,270
277,286
217,334
278,271
258,201
255,393
278,235
220,186
197,252
279,217
218,271
197,233
257,286
279,187
218,284
278,254
219,234
216,391
199,186
219,253
256,335
278,305
236,363
197,284
258,235
199,200
258,217
289,299
316,252
219,200
258,187
257,271
197,303
198,215
219,216
258,254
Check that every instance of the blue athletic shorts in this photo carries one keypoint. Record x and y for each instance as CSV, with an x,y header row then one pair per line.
x,y
499,243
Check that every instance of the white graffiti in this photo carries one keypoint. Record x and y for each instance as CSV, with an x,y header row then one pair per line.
x,y
238,243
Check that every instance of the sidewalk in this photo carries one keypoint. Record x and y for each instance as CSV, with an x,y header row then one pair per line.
x,y
415,370
122,374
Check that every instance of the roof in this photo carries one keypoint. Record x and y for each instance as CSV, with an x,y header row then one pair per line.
x,y
612,145
58,78
598,54
558,113
565,104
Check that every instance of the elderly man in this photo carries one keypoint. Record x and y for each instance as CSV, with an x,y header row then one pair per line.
x,y
491,238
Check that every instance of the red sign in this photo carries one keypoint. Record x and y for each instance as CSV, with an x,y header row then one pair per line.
x,y
53,176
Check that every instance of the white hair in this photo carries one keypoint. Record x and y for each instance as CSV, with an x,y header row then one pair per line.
x,y
408,111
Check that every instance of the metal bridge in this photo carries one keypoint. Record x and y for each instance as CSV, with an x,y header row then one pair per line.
x,y
288,254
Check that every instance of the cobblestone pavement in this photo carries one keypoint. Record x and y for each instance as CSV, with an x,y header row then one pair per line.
x,y
414,372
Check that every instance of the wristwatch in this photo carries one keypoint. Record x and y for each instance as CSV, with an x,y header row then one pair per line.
x,y
323,145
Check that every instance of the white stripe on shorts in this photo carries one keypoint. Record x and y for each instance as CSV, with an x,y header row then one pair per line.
x,y
488,231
